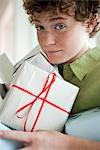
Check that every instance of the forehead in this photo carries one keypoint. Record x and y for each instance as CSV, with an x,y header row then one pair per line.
x,y
48,16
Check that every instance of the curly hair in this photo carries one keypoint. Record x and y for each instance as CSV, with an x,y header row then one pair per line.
x,y
81,10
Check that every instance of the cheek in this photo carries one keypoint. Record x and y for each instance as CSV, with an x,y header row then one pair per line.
x,y
61,39
70,39
65,40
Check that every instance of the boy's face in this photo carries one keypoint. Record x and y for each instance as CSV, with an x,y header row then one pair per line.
x,y
61,37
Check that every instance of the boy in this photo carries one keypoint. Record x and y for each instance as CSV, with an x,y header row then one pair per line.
x,y
63,30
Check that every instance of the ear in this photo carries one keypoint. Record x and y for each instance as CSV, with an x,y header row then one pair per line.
x,y
91,24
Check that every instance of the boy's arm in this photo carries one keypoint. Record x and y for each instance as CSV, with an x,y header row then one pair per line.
x,y
50,140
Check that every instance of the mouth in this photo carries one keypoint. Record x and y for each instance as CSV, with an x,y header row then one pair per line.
x,y
53,51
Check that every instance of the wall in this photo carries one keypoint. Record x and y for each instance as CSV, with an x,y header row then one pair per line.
x,y
17,36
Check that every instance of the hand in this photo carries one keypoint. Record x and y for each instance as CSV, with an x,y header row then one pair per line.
x,y
43,140
49,140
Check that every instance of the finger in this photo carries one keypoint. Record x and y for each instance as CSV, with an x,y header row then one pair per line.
x,y
20,136
41,130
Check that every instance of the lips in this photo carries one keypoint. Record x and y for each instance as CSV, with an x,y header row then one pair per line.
x,y
53,51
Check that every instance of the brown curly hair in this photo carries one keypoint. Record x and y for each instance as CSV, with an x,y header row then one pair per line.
x,y
81,10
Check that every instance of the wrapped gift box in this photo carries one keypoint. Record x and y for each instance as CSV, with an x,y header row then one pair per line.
x,y
85,124
30,55
8,144
37,100
6,69
39,60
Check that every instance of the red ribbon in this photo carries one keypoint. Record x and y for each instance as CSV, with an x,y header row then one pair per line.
x,y
45,88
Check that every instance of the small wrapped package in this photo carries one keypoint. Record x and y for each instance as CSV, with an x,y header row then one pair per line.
x,y
27,57
8,144
37,100
39,60
6,69
85,125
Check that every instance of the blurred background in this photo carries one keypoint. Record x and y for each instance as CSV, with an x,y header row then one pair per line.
x,y
17,35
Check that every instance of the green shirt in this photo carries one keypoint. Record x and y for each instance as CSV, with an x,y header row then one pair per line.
x,y
85,73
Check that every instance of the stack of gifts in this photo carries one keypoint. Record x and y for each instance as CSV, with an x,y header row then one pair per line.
x,y
38,97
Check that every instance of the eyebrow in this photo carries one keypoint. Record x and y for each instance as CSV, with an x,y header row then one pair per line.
x,y
56,18
51,19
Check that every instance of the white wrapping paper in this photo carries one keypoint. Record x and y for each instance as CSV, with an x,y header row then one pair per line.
x,y
85,125
39,60
47,111
6,69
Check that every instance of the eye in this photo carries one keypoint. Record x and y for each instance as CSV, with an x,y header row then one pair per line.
x,y
60,26
39,27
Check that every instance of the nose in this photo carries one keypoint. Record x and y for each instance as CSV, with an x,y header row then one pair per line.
x,y
49,39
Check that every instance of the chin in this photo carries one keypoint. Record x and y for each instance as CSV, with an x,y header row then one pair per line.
x,y
56,62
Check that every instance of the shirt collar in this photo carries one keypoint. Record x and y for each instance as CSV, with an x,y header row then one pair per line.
x,y
81,66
